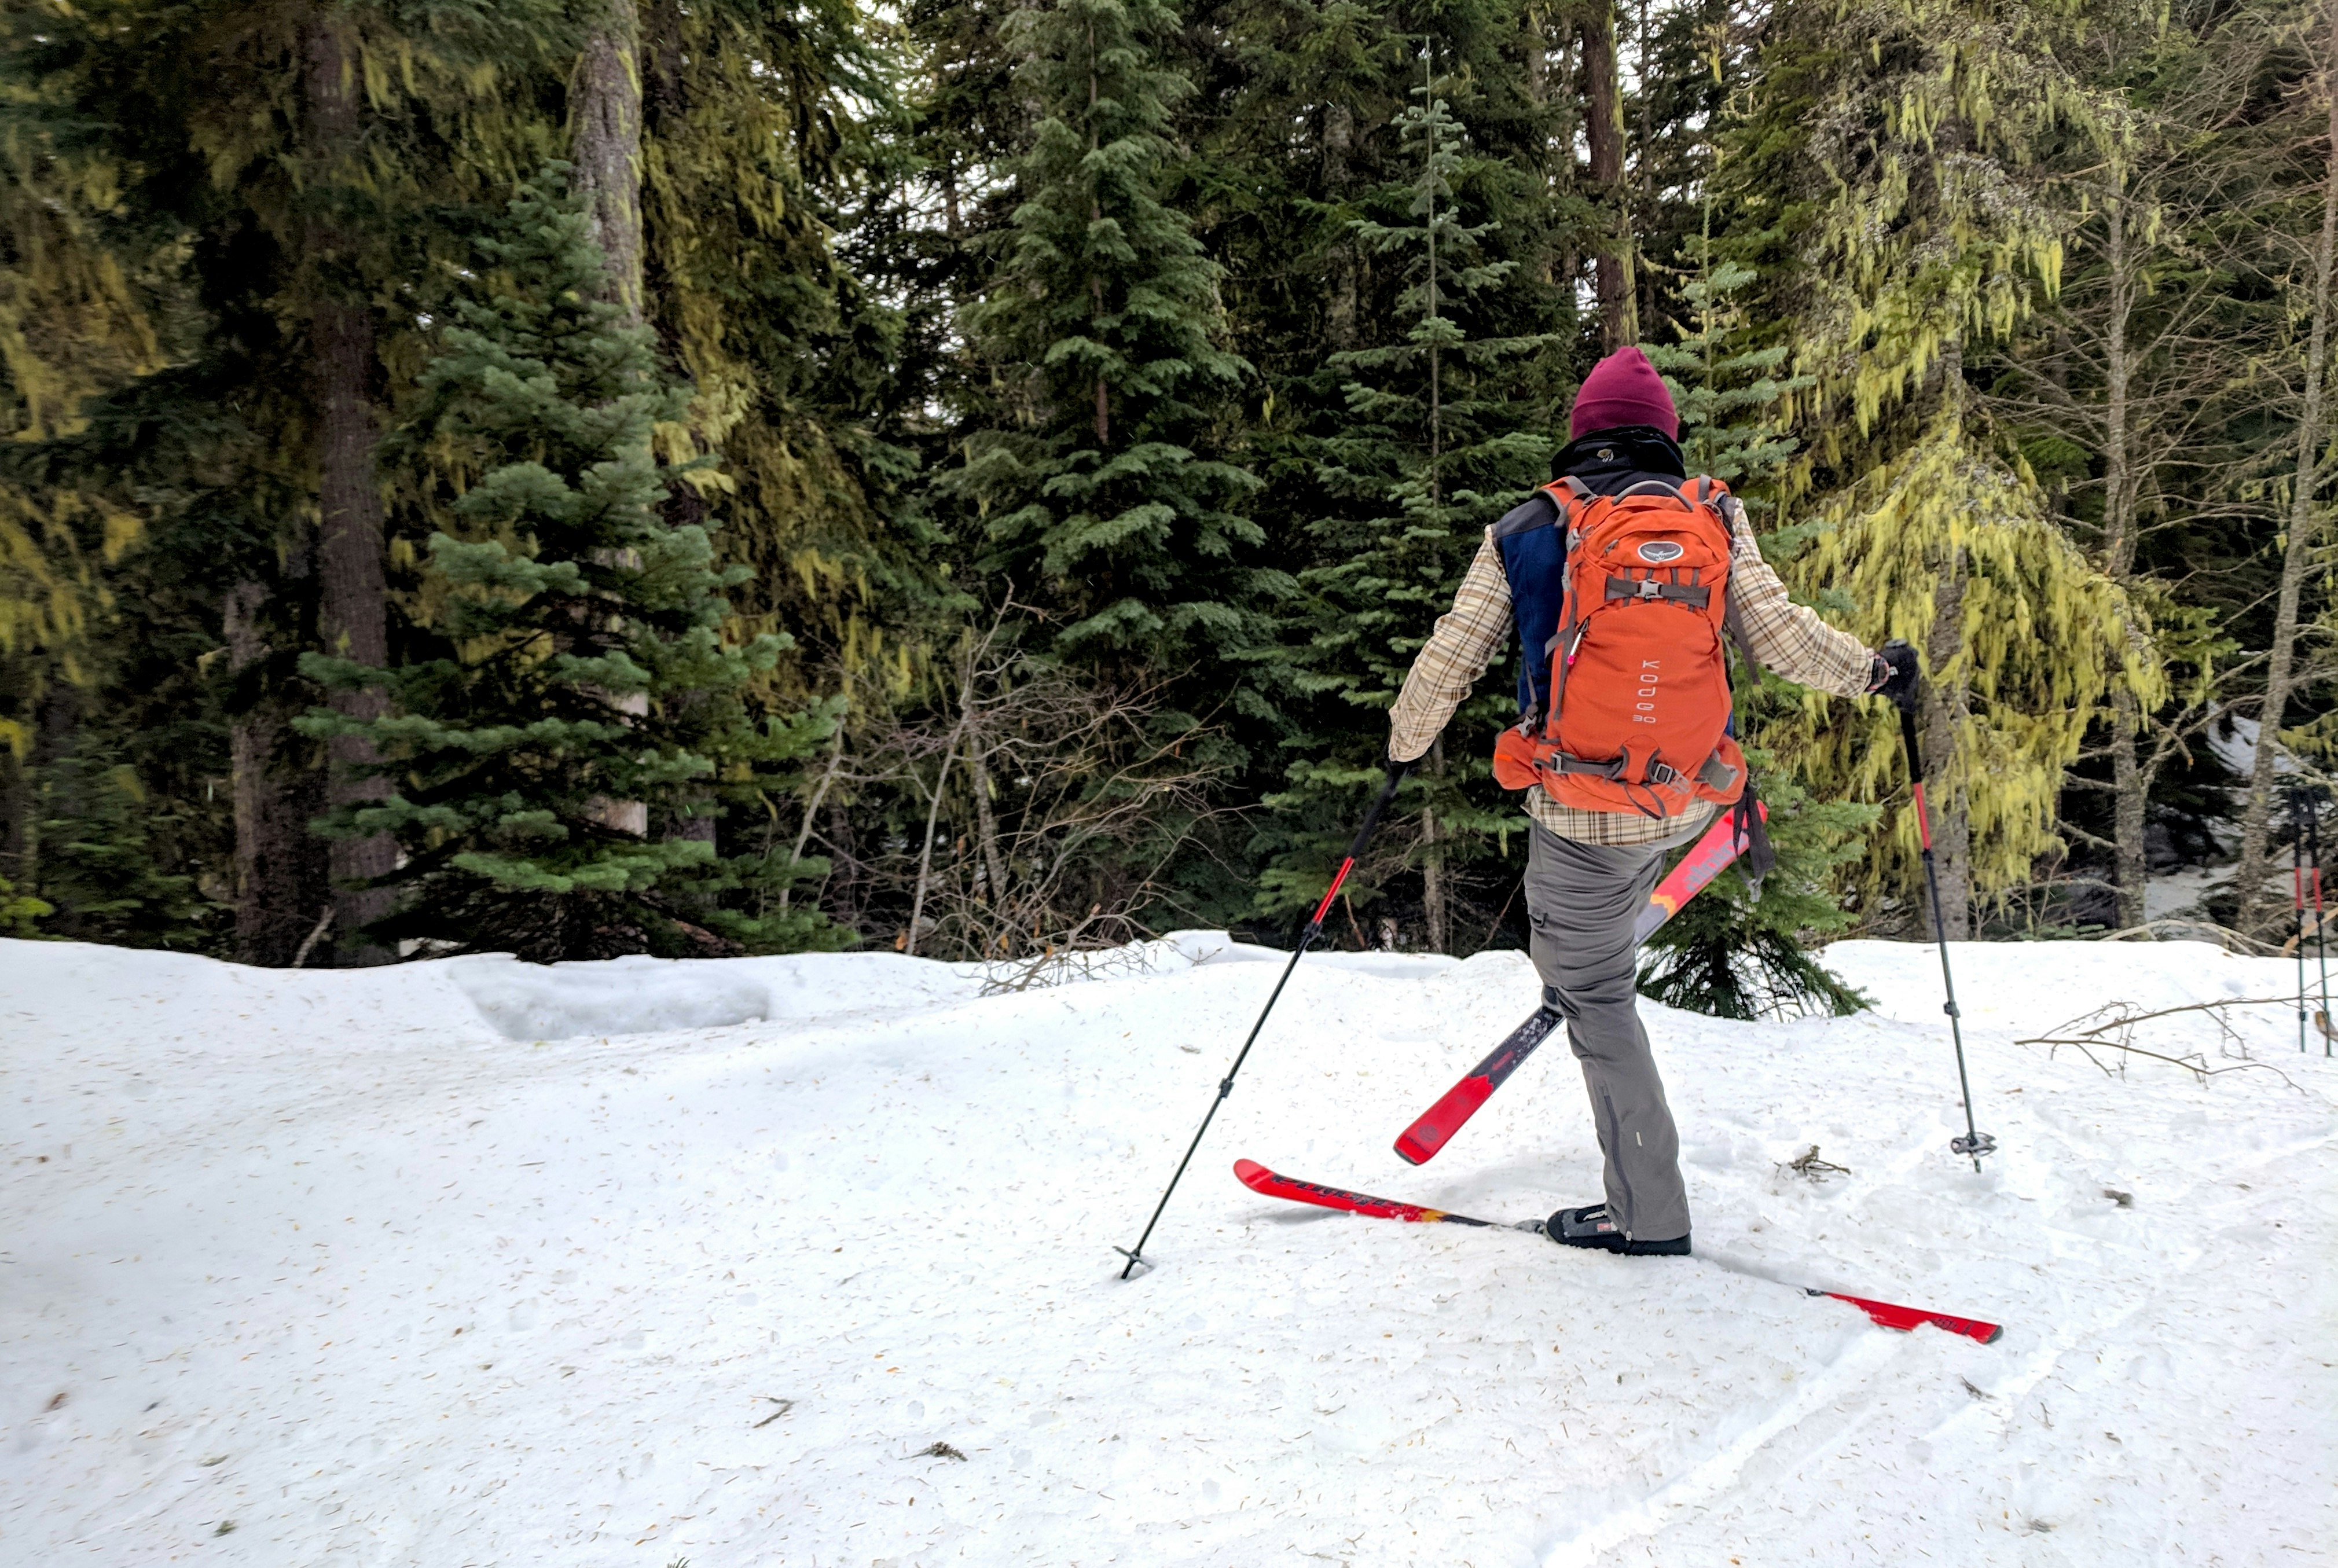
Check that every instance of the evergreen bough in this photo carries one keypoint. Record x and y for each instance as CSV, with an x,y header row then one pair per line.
x,y
585,669
1102,326
1729,953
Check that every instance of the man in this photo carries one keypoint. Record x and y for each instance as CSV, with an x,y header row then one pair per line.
x,y
1589,871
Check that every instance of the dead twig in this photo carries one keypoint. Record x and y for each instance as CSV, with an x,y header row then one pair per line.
x,y
1809,1165
2114,1030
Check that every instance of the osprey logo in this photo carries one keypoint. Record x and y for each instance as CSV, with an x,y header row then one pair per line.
x,y
1657,551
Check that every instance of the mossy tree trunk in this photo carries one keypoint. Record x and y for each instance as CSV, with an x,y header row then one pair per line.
x,y
353,595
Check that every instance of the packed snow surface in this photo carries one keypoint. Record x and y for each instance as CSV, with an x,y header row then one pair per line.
x,y
809,1261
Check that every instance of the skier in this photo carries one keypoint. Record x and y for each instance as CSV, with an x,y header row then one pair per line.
x,y
1622,745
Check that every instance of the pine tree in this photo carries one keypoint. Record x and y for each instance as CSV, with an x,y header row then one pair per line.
x,y
1100,329
1440,440
561,593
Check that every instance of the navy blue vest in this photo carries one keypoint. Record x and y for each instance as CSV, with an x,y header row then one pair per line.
x,y
1533,559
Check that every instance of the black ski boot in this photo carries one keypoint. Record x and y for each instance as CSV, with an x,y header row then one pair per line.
x,y
1592,1227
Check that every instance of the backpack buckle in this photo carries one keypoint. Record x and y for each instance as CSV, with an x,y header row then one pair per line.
x,y
1649,589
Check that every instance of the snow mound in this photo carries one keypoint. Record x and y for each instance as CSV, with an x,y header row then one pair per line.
x,y
808,1260
661,995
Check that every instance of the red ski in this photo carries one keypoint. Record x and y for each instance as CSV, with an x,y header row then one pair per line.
x,y
1706,858
1265,1182
1430,1132
1709,855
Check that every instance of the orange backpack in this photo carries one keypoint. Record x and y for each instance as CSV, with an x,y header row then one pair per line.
x,y
1639,684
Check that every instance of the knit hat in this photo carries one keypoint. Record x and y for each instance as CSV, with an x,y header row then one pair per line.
x,y
1623,389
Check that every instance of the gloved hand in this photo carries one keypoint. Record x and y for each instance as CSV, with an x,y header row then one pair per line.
x,y
1895,678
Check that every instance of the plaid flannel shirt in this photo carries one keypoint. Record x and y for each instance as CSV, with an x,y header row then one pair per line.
x,y
1786,637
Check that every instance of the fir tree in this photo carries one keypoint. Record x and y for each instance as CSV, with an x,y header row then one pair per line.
x,y
1438,443
1101,331
561,593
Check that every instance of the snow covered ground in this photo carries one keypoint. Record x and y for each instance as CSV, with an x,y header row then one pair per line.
x,y
627,1264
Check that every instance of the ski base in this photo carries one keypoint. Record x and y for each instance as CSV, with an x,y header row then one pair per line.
x,y
1270,1184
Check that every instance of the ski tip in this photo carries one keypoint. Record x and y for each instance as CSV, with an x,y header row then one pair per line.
x,y
1251,1174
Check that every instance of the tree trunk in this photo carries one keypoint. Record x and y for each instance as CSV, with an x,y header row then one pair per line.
x,y
282,875
1537,59
926,851
605,149
1436,905
2130,785
1946,705
605,143
1340,309
1644,296
1603,116
353,596
993,861
2259,900
2130,792
812,808
55,794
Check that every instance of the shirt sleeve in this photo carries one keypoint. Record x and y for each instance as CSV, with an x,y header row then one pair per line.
x,y
1465,641
1787,637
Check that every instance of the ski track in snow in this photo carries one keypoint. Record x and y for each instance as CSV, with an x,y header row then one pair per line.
x,y
358,1267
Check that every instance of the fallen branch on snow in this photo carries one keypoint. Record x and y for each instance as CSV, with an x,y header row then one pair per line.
x,y
2115,1026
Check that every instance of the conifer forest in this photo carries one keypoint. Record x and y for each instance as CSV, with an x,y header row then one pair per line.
x,y
967,477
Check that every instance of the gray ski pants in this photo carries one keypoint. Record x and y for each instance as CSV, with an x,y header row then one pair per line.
x,y
1584,899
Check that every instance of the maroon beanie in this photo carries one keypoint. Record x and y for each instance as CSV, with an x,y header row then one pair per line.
x,y
1623,389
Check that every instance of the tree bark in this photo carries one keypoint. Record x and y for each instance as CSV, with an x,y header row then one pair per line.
x,y
282,875
1340,309
926,851
2130,785
1436,905
1947,703
2258,900
605,143
605,149
986,826
55,793
1644,293
1602,115
353,596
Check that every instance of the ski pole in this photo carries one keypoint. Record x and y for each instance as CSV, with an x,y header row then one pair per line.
x,y
1974,1143
2321,922
2297,903
1307,935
